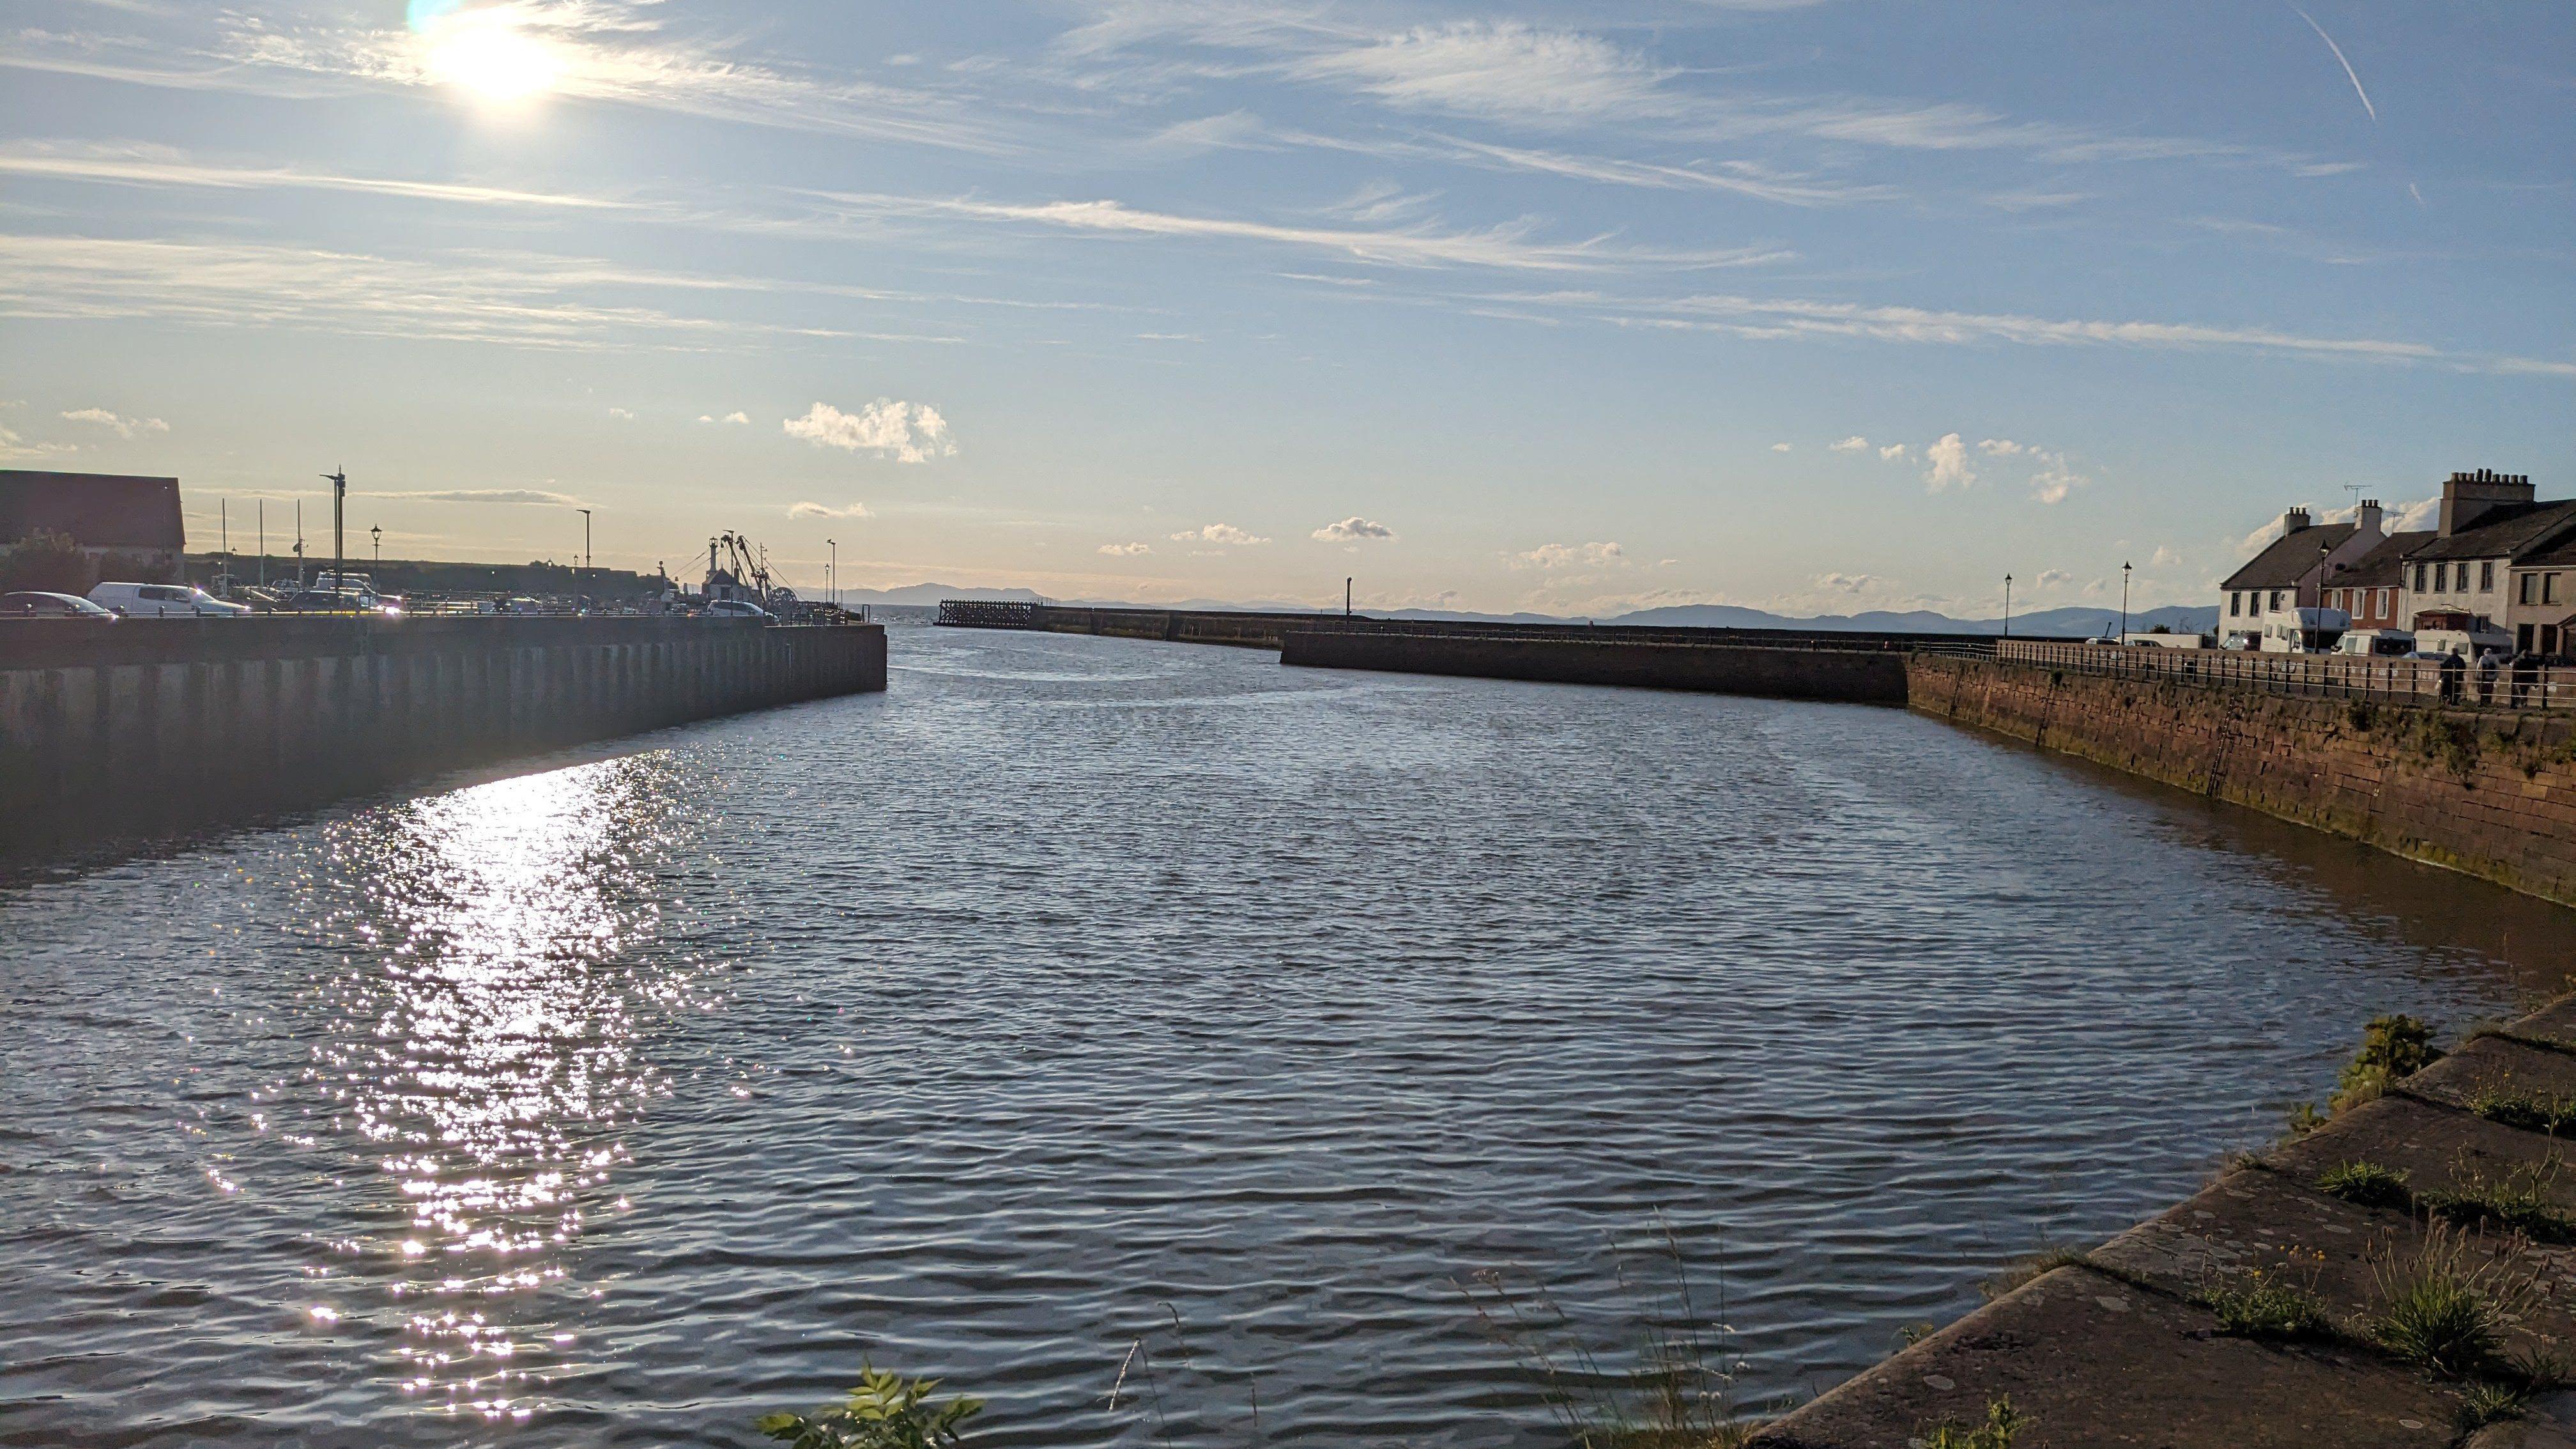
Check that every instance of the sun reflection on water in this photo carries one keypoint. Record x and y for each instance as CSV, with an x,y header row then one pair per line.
x,y
490,1057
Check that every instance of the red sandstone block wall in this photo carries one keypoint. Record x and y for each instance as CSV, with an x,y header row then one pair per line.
x,y
2493,795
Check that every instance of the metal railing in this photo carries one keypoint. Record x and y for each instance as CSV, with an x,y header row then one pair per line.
x,y
2462,684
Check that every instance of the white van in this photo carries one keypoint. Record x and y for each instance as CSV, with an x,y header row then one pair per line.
x,y
2304,631
2377,643
162,601
2467,643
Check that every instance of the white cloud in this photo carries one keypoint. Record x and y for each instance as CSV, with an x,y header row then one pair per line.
x,y
1351,530
737,417
825,510
125,427
906,432
2053,579
1842,583
13,446
2165,557
1570,556
1779,447
1853,444
1949,460
487,495
2423,513
1894,451
2055,479
1224,533
1125,550
626,413
2000,448
1498,69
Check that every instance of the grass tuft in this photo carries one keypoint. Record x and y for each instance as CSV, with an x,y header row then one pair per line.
x,y
2366,1184
2003,1423
2259,1305
2527,1111
2392,1046
2518,1202
2488,1402
2443,1307
2046,1260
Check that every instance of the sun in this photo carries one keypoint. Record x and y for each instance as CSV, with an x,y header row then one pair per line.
x,y
483,52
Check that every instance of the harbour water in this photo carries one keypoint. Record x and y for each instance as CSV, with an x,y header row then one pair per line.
x,y
1161,1044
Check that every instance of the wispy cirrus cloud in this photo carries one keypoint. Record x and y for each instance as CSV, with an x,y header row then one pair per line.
x,y
140,165
1419,243
124,427
810,509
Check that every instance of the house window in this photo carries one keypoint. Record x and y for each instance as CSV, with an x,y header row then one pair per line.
x,y
2385,607
2276,598
2523,587
2419,578
2235,606
2549,588
2441,578
2486,577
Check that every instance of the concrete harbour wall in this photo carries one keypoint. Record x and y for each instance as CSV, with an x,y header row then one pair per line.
x,y
148,725
1577,656
2490,793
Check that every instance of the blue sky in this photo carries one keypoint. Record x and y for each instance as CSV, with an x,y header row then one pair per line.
x,y
1812,306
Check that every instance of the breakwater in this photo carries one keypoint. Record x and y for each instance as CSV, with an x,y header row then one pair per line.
x,y
2437,1182
154,724
2491,793
1823,668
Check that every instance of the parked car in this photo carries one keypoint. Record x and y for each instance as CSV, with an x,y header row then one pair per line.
x,y
2377,643
333,601
162,601
737,609
35,604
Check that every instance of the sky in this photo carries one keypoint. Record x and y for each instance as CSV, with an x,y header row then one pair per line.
x,y
1811,305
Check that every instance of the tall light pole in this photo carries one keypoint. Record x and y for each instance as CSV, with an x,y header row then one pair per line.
x,y
1346,598
584,581
378,534
2124,603
832,576
2007,606
263,543
338,478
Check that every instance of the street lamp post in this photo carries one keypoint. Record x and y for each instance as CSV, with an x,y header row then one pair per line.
x,y
2124,603
832,577
584,581
338,478
378,534
2007,606
1346,598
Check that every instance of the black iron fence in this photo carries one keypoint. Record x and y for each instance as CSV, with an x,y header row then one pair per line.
x,y
2456,683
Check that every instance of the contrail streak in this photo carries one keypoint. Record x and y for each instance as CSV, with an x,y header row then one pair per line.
x,y
2338,54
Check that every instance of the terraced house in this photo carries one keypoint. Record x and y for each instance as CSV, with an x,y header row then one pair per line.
x,y
2501,555
2296,570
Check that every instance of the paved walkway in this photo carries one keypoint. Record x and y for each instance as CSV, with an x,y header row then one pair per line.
x,y
2126,1347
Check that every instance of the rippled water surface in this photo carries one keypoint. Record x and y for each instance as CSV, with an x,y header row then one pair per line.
x,y
1081,994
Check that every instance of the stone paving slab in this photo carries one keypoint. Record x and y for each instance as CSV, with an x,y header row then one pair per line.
x,y
2256,1220
2555,1022
2492,1064
2090,1360
2438,1149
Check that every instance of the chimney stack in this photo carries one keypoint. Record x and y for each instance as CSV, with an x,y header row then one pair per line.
x,y
2294,520
2468,496
2366,518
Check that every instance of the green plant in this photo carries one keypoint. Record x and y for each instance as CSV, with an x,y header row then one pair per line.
x,y
2484,1403
2392,1046
2003,1422
2305,1118
2444,1305
2024,1270
2366,1184
885,1411
2524,1110
2518,1201
47,561
2259,1305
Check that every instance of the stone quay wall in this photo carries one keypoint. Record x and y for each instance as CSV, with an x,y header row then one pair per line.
x,y
148,725
1574,655
2488,792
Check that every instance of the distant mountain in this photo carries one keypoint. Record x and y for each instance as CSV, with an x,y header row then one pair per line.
x,y
2181,619
929,595
2069,622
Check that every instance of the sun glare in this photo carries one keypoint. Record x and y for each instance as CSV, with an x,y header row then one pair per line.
x,y
490,56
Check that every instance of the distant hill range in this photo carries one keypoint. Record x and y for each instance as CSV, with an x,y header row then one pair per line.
x,y
2074,622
